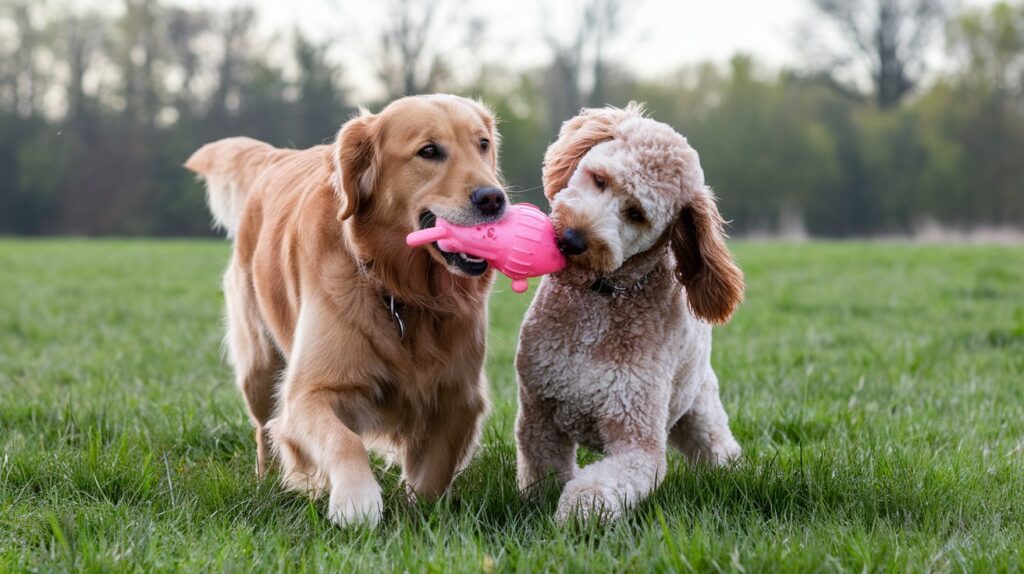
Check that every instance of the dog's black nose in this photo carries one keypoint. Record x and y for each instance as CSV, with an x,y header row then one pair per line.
x,y
572,242
488,200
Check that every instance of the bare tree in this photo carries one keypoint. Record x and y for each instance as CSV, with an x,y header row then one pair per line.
x,y
184,28
579,70
133,50
234,33
413,52
27,85
605,17
83,36
406,66
888,37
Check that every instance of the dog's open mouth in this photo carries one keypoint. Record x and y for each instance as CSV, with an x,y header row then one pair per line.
x,y
467,264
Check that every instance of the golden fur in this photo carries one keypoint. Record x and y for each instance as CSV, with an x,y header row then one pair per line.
x,y
319,250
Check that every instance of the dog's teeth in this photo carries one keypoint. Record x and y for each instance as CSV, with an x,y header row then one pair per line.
x,y
470,259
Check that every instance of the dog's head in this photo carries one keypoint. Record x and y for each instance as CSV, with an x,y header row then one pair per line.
x,y
420,158
621,185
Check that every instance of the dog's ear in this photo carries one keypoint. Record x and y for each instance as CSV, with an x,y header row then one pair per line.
x,y
354,163
704,265
577,136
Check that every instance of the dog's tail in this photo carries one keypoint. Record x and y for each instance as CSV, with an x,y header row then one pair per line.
x,y
229,167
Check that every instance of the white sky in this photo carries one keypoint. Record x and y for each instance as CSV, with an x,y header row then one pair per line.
x,y
658,35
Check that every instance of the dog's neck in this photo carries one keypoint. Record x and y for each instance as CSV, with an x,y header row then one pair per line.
x,y
638,274
411,277
394,306
634,275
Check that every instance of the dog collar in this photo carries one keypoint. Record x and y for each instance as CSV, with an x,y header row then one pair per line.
x,y
395,307
603,286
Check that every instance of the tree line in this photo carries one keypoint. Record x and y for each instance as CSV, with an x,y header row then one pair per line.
x,y
99,111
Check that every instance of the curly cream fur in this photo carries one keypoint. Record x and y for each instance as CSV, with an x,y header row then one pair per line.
x,y
627,374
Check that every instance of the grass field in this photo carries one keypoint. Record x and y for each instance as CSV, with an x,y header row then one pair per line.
x,y
876,388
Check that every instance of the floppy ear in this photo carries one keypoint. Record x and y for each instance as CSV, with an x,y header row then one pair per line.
x,y
704,265
354,163
577,136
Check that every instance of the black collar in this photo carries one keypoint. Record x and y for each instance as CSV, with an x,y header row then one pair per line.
x,y
604,286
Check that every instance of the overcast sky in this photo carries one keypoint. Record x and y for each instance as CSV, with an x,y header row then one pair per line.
x,y
659,35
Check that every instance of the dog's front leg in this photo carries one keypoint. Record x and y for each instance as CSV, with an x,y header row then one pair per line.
x,y
611,485
314,443
322,411
633,467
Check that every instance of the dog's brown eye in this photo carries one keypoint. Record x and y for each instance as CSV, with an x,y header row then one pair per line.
x,y
485,144
600,182
635,215
429,152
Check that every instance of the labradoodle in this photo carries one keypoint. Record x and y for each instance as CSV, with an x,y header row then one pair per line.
x,y
615,350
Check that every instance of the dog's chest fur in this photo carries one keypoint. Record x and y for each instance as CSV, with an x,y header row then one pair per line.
x,y
591,357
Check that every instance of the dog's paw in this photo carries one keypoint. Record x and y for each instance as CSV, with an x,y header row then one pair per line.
x,y
355,504
725,453
588,500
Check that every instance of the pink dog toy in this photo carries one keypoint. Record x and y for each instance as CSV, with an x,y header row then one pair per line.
x,y
521,245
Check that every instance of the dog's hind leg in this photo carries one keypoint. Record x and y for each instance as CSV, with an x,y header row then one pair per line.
x,y
703,433
256,360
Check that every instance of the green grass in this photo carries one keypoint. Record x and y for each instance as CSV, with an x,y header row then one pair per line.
x,y
876,388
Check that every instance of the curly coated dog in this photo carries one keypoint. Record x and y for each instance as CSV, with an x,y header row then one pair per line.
x,y
615,351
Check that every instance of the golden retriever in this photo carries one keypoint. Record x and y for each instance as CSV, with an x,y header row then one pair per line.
x,y
341,336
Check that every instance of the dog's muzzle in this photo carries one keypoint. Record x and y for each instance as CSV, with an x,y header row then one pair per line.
x,y
472,266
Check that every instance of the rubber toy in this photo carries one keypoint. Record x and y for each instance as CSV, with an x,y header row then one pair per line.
x,y
521,245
